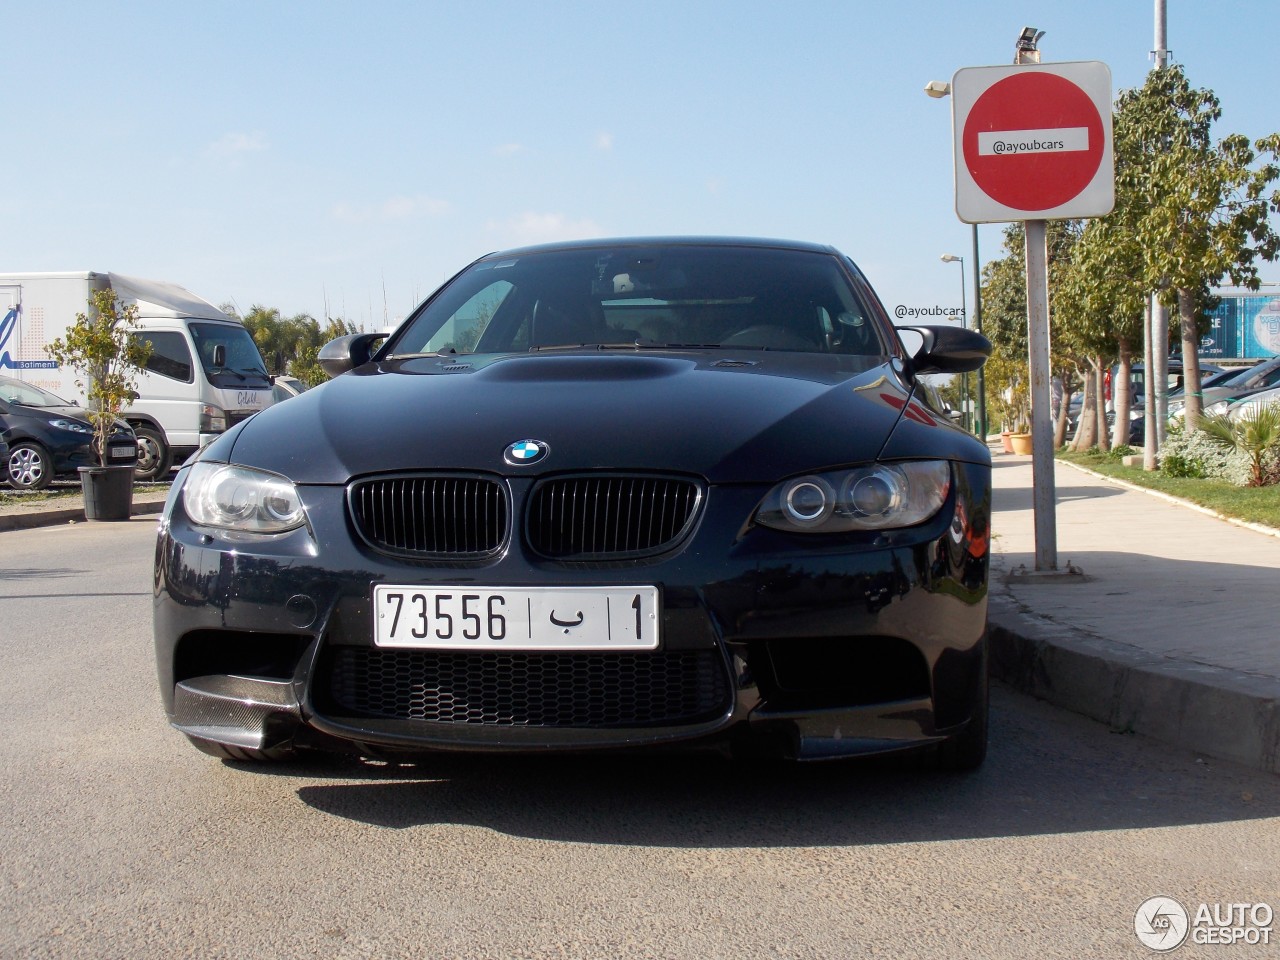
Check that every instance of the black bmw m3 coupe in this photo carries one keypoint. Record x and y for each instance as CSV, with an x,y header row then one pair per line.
x,y
601,495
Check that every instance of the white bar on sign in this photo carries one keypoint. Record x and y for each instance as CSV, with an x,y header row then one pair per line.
x,y
1004,143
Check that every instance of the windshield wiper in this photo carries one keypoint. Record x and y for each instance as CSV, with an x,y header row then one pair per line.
x,y
415,356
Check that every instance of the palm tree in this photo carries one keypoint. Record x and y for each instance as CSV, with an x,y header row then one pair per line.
x,y
1254,434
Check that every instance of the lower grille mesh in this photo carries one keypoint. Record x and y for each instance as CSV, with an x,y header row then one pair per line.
x,y
664,688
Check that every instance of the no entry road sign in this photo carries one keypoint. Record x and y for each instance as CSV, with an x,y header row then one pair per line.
x,y
1033,142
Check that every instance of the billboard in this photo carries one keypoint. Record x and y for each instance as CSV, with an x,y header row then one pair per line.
x,y
1222,339
1259,326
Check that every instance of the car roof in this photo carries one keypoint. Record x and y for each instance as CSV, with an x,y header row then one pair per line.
x,y
759,243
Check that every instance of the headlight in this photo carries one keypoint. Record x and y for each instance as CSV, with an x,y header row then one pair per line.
x,y
75,426
878,497
238,498
212,419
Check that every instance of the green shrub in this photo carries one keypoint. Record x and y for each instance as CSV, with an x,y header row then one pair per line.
x,y
1189,453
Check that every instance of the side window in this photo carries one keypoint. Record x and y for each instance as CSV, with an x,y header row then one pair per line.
x,y
170,356
462,331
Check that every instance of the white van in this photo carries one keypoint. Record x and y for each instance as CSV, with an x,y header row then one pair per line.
x,y
205,373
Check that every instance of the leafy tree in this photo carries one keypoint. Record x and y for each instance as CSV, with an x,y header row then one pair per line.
x,y
1004,320
1107,300
1200,210
99,347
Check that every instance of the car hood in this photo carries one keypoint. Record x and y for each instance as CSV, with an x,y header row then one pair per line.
x,y
68,412
727,417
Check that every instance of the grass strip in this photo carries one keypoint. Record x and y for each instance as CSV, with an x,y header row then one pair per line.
x,y
1253,504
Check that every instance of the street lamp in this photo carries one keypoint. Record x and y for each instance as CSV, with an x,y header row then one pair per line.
x,y
964,322
939,89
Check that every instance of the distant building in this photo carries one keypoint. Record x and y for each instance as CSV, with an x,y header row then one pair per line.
x,y
1245,325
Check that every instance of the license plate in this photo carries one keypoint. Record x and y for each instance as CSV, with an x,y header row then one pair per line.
x,y
515,618
123,453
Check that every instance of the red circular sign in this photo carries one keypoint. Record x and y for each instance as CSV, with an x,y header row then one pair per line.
x,y
1033,141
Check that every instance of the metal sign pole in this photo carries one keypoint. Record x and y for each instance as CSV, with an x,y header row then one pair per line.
x,y
1041,418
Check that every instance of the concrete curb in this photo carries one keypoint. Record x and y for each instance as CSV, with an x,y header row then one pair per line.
x,y
1210,710
27,519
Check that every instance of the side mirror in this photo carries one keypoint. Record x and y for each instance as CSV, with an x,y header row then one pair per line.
x,y
219,355
946,349
346,353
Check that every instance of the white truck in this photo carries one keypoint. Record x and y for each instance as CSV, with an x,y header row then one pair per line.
x,y
205,373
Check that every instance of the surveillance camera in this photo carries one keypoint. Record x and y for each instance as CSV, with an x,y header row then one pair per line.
x,y
937,89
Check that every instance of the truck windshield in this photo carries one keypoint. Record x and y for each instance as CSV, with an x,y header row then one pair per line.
x,y
237,364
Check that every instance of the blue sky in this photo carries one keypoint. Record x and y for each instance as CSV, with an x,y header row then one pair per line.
x,y
285,153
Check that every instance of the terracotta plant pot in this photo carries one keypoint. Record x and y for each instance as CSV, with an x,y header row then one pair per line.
x,y
1020,442
1006,442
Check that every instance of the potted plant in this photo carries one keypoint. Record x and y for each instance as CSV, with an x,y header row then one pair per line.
x,y
98,346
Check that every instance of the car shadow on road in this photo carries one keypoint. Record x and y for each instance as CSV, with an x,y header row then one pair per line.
x,y
1049,772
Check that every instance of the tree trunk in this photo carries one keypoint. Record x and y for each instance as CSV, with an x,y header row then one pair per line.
x,y
1121,392
1194,408
1060,425
1087,429
1100,407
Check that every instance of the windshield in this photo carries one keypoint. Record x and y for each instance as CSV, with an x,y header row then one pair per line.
x,y
1248,373
648,296
15,391
241,363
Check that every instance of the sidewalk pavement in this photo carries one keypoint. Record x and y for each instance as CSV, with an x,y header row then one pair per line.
x,y
1173,631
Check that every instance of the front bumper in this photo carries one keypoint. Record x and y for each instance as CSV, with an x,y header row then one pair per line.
x,y
808,648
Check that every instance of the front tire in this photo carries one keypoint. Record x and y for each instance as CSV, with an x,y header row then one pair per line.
x,y
154,455
968,748
28,466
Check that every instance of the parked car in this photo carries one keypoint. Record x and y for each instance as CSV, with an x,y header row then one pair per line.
x,y
1245,406
1137,391
283,387
48,436
1248,381
204,372
595,496
1219,378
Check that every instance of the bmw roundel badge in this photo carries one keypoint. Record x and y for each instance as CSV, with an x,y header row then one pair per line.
x,y
525,452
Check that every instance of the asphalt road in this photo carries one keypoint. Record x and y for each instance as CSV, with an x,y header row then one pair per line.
x,y
121,841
